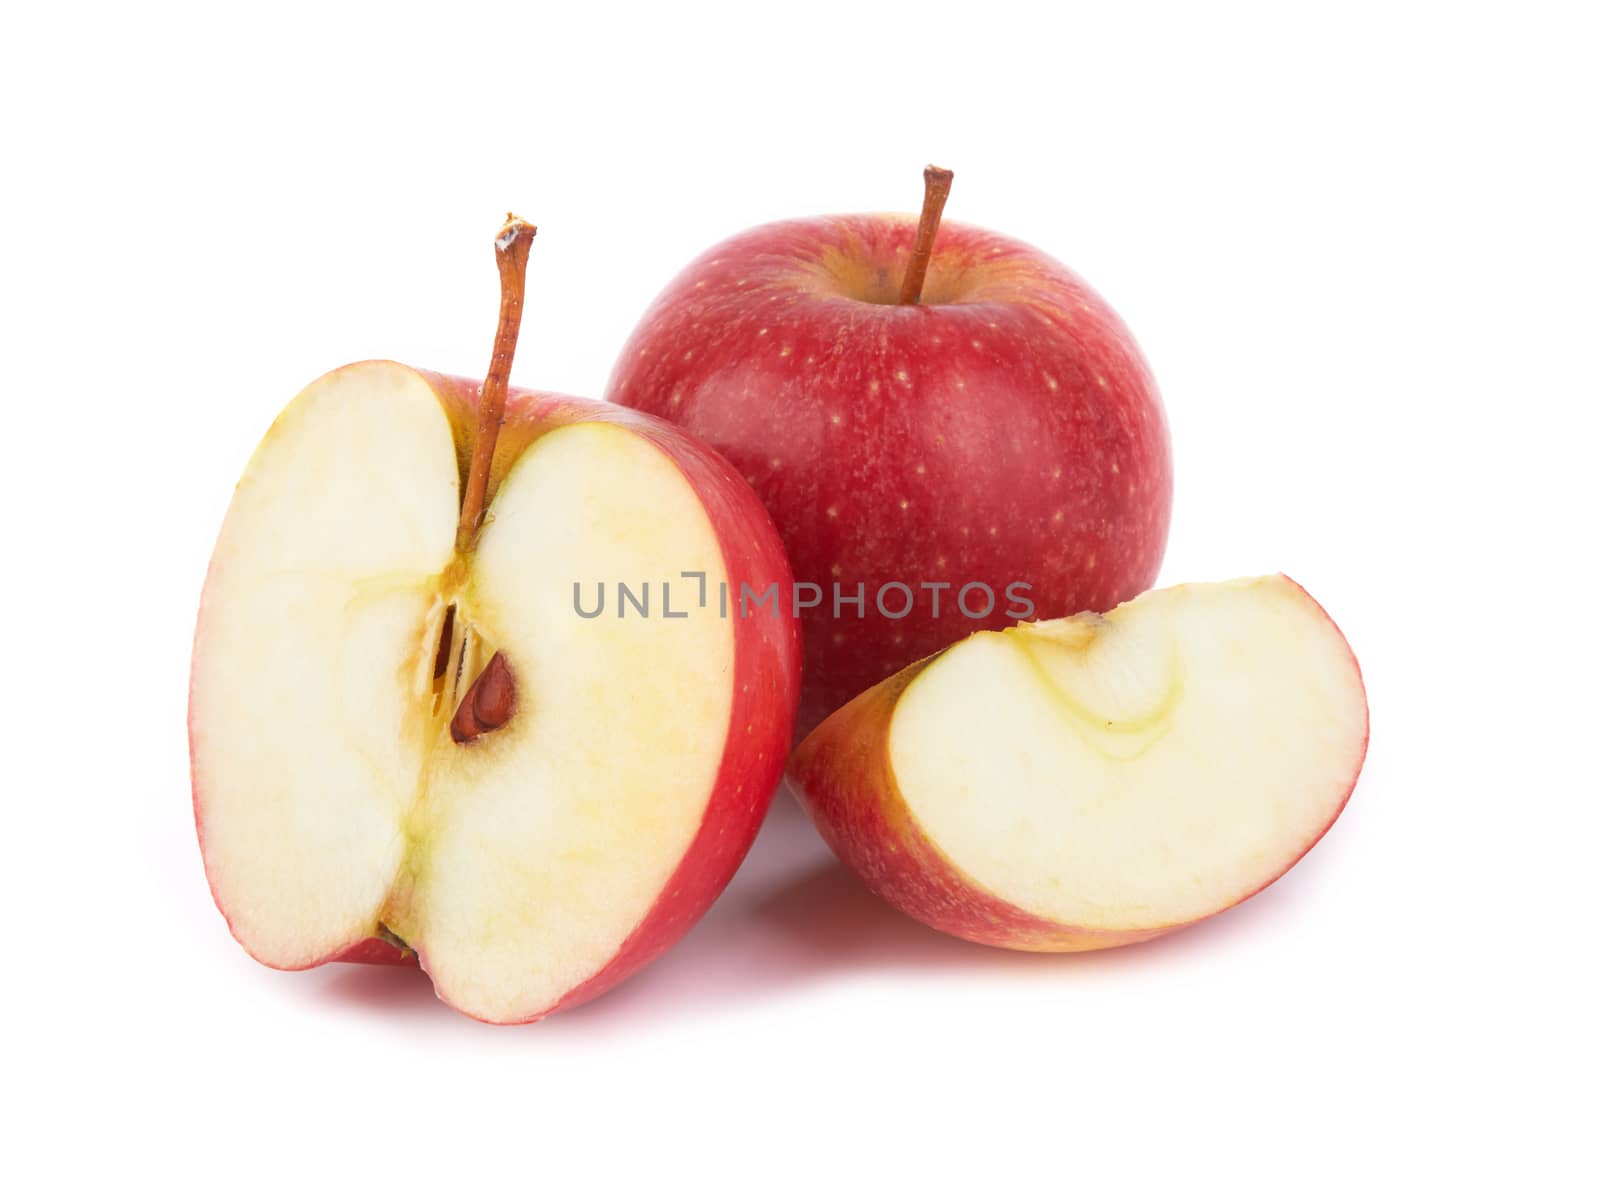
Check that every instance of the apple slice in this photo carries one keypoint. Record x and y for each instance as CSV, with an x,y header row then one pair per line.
x,y
1098,780
406,740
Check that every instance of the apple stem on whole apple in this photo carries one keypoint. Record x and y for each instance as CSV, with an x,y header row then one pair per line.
x,y
935,190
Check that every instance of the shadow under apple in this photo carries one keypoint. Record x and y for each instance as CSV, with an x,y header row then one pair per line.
x,y
793,917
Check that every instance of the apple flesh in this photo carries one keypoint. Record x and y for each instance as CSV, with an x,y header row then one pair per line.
x,y
1097,780
1004,429
341,630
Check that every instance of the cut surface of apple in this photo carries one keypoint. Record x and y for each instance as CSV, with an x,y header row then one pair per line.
x,y
1086,782
341,628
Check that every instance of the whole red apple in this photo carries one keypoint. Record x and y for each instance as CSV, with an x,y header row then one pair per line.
x,y
989,423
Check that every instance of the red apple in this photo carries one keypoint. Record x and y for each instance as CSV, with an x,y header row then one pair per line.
x,y
1099,780
407,741
994,424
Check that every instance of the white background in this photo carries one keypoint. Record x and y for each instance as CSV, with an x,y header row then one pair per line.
x,y
1358,245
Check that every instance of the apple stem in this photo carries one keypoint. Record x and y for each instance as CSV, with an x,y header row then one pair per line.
x,y
511,255
935,189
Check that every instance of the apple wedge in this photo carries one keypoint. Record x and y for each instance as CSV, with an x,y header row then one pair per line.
x,y
407,742
1098,780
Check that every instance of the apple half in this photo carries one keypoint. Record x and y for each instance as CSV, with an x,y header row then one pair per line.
x,y
1097,780
404,748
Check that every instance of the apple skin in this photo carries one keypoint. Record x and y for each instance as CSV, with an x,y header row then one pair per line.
x,y
842,776
1013,435
766,675
374,952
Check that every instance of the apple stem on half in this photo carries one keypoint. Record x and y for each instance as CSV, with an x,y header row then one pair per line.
x,y
511,255
491,697
935,189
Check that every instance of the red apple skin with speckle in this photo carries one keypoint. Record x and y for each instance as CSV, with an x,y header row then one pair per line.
x,y
1004,430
